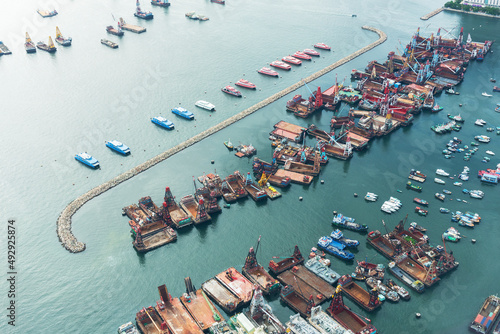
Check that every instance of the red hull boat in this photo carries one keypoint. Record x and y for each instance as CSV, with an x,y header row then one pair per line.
x,y
280,64
268,71
322,46
245,83
291,60
302,55
231,91
311,52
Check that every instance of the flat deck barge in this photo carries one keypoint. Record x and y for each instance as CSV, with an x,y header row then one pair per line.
x,y
221,295
131,27
417,271
292,132
299,167
201,309
296,301
271,192
381,244
308,283
277,268
235,186
258,275
237,283
176,317
152,235
367,300
150,322
294,177
195,210
179,217
252,188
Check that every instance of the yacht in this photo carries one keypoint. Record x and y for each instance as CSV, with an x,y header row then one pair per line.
x,y
205,105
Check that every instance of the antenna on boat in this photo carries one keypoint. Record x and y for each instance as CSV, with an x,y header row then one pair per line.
x,y
257,246
383,223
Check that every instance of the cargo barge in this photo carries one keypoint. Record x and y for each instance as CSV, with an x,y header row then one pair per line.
x,y
296,301
175,317
416,270
367,300
381,244
321,270
149,322
294,177
324,323
277,268
302,168
289,131
488,314
227,193
235,186
409,281
237,284
209,198
252,188
212,182
228,301
131,27
258,275
195,209
179,217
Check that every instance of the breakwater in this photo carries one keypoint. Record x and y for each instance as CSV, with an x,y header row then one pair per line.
x,y
431,14
64,232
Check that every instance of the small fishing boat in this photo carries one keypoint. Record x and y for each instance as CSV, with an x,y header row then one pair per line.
x,y
301,55
141,14
291,60
46,13
490,152
480,122
420,201
496,89
414,187
160,3
119,147
311,52
486,94
421,211
87,160
458,184
29,46
446,191
180,111
268,71
280,64
163,122
109,43
231,91
245,83
438,180
440,196
417,227
436,108
444,210
61,40
451,91
322,46
402,292
482,139
51,48
205,105
442,172
228,144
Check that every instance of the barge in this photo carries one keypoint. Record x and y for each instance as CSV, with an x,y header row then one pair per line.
x,y
324,323
227,300
367,300
296,301
298,325
227,192
253,189
258,275
149,321
302,168
416,270
176,319
321,270
488,314
195,209
237,284
289,131
277,268
199,306
179,217
108,43
131,27
381,244
294,177
409,281
235,186
209,199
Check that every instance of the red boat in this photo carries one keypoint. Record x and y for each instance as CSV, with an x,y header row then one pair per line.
x,y
322,46
311,52
280,64
231,91
291,60
301,55
245,83
420,201
268,71
496,89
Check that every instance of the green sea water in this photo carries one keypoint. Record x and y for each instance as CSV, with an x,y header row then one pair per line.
x,y
54,106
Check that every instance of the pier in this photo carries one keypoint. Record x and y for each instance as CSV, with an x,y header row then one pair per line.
x,y
431,14
64,232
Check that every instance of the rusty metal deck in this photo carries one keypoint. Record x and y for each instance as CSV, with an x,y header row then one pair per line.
x,y
294,177
177,318
200,310
237,283
311,286
221,295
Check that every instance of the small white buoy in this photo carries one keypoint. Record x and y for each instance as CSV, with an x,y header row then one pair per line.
x,y
418,315
473,241
322,181
355,195
300,198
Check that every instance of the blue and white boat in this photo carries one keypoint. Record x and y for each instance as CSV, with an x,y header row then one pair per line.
x,y
183,112
335,248
117,146
163,122
444,210
87,160
339,236
348,222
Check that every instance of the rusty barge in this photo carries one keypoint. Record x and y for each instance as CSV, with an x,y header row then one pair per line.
x,y
179,217
258,275
195,209
367,300
277,268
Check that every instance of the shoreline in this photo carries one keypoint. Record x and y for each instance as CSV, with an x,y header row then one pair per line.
x,y
64,233
473,13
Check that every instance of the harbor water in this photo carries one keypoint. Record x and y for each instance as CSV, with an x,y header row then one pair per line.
x,y
57,105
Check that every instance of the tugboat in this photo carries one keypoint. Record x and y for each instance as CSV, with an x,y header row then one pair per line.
x,y
301,55
291,60
322,46
231,91
29,46
87,160
229,145
417,227
50,48
180,111
142,15
61,40
436,108
268,71
163,122
280,64
160,3
245,83
311,52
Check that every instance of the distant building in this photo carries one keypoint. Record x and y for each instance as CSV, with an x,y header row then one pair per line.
x,y
482,3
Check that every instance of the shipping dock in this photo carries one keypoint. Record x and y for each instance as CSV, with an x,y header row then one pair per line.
x,y
258,275
221,295
367,300
149,322
346,317
195,209
252,188
277,268
308,283
296,301
131,27
294,177
201,309
237,283
179,217
175,316
235,186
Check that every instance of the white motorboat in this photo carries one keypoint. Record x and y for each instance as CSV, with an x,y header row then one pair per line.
x,y
205,105
480,122
437,180
442,172
486,94
490,152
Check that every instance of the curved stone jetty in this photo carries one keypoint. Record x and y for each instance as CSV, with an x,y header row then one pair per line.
x,y
64,233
